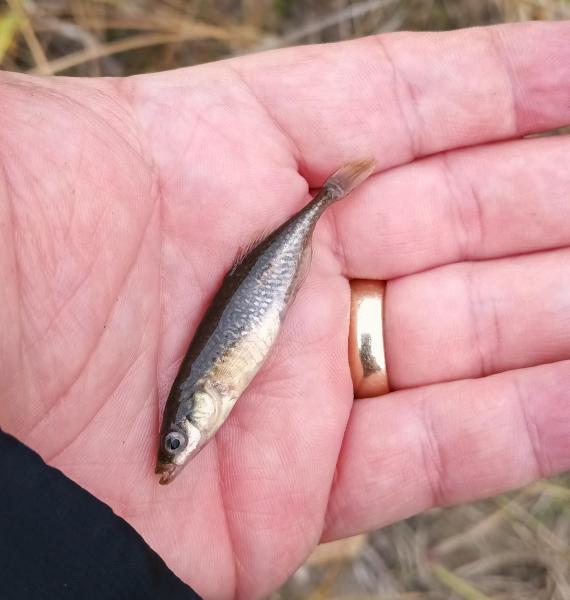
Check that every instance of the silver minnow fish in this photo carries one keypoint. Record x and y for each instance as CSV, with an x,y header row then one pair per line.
x,y
240,327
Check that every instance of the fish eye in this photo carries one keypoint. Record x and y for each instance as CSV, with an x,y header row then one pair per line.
x,y
173,442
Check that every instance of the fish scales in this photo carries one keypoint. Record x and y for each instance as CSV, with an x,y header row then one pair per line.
x,y
240,326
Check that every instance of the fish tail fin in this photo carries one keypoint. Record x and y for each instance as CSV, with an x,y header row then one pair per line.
x,y
345,179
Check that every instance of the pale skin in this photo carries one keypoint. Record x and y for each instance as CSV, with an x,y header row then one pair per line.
x,y
123,202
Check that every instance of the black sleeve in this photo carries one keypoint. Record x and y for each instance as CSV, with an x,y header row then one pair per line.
x,y
57,541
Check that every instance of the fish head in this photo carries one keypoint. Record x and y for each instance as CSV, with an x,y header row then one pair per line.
x,y
186,433
178,443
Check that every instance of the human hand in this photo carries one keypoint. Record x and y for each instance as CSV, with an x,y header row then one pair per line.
x,y
123,203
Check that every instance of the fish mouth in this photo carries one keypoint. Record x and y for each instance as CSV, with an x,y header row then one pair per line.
x,y
167,472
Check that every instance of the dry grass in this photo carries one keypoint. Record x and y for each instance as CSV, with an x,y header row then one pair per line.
x,y
513,547
121,37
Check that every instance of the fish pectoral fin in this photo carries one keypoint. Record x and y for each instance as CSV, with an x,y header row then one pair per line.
x,y
218,389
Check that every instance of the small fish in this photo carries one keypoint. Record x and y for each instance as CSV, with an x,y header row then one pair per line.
x,y
240,327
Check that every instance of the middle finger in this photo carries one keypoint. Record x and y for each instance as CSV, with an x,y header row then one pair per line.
x,y
477,203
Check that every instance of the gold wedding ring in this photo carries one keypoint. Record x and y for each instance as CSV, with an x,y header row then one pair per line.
x,y
366,340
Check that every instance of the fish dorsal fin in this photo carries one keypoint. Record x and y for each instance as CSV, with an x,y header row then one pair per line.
x,y
244,250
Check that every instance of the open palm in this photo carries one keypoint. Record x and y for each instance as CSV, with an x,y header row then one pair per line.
x,y
124,202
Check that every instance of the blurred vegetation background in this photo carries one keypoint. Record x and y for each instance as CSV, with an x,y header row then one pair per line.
x,y
513,547
122,37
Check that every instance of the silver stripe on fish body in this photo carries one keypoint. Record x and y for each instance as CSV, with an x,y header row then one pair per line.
x,y
240,327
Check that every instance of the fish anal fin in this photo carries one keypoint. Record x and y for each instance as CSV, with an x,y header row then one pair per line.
x,y
304,267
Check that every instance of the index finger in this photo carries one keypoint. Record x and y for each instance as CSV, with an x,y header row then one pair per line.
x,y
406,95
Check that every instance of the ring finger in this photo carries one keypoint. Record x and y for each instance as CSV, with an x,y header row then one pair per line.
x,y
478,318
